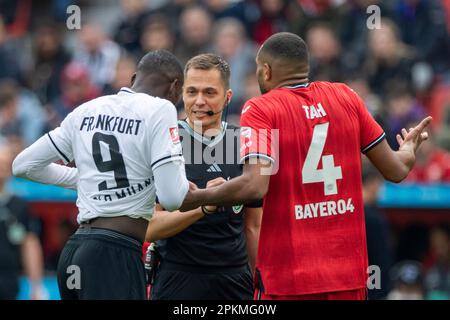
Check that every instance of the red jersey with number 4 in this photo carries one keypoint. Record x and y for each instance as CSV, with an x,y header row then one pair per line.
x,y
313,233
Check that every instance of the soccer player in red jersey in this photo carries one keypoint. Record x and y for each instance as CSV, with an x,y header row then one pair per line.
x,y
312,241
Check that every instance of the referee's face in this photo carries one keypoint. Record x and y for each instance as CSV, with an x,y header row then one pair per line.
x,y
204,92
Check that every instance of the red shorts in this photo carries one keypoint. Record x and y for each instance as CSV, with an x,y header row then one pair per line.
x,y
358,294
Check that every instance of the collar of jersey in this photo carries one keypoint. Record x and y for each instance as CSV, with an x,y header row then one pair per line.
x,y
296,86
200,138
127,90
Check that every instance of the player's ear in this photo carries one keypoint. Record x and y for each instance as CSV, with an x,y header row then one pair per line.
x,y
229,95
267,72
175,88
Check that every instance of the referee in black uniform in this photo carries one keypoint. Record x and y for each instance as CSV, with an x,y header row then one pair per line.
x,y
209,252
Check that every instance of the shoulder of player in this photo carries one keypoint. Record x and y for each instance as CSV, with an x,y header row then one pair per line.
x,y
329,85
156,103
91,104
335,86
257,102
340,90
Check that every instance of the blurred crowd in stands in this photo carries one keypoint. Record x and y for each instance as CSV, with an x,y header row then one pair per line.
x,y
401,70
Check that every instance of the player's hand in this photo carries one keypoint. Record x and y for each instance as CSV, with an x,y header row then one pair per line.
x,y
214,183
411,140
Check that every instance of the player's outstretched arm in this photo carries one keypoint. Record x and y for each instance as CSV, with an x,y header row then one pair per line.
x,y
171,184
36,163
251,186
165,224
396,165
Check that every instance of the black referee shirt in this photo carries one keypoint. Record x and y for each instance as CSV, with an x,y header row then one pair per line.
x,y
217,240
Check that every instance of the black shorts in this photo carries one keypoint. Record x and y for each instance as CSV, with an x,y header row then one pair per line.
x,y
179,282
101,264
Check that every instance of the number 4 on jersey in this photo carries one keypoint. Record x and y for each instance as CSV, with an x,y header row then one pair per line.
x,y
329,173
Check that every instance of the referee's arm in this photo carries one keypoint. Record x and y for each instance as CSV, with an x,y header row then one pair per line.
x,y
165,224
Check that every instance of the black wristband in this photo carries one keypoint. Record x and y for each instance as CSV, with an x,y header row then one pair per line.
x,y
206,212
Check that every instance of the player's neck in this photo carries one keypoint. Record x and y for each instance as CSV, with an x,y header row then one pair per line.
x,y
205,130
292,81
155,91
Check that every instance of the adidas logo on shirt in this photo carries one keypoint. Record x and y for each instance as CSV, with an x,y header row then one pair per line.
x,y
214,168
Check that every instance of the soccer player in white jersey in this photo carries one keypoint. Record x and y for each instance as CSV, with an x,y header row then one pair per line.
x,y
126,150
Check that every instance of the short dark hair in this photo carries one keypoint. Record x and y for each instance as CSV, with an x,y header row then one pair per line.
x,y
208,61
286,46
161,62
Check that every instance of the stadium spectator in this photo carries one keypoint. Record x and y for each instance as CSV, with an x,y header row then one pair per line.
x,y
251,90
21,114
76,88
402,110
230,42
388,60
128,32
9,64
437,276
172,11
97,53
156,34
351,26
195,29
378,232
272,19
48,60
20,248
247,12
125,68
372,101
326,54
432,164
423,25
407,279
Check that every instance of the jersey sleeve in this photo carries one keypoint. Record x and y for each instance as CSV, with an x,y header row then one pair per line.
x,y
371,132
164,141
256,134
61,139
256,204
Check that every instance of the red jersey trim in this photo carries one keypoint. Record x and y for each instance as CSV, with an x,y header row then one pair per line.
x,y
374,143
257,155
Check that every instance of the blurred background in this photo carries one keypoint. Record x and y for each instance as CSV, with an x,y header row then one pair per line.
x,y
401,70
